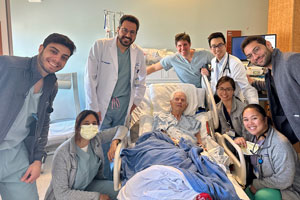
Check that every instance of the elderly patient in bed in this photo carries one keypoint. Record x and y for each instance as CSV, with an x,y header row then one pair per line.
x,y
176,124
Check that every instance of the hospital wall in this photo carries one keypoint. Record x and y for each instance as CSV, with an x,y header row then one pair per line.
x,y
83,22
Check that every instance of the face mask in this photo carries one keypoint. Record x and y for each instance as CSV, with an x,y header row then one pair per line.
x,y
88,131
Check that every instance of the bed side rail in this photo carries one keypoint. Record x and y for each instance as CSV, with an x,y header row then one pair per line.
x,y
117,164
239,172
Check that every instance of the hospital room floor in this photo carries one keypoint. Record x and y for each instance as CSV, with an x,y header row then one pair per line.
x,y
44,180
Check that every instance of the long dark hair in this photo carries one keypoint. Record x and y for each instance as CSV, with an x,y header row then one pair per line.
x,y
80,117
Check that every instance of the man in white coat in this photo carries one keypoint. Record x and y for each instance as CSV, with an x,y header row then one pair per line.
x,y
224,64
115,75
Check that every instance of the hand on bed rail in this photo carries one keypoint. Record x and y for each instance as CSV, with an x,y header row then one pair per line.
x,y
204,71
112,150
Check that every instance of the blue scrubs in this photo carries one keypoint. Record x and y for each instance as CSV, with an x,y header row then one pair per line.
x,y
118,106
87,169
188,72
14,155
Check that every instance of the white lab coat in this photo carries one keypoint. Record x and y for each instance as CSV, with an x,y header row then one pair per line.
x,y
238,74
101,75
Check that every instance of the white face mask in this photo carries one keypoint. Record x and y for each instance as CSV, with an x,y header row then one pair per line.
x,y
88,131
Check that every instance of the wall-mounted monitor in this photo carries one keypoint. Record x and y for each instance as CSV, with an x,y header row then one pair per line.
x,y
237,41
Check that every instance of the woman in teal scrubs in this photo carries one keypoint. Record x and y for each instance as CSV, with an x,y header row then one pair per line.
x,y
77,168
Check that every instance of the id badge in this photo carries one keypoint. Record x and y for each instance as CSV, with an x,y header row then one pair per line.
x,y
136,82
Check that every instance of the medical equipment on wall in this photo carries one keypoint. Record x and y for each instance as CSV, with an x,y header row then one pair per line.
x,y
110,22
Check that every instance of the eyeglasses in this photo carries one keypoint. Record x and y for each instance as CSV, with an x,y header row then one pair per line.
x,y
217,46
125,31
225,89
254,51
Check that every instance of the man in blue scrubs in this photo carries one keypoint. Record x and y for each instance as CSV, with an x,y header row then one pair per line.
x,y
27,89
187,62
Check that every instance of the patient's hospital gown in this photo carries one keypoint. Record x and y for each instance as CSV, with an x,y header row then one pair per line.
x,y
185,128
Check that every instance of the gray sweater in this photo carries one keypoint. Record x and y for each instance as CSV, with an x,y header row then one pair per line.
x,y
17,76
235,116
64,166
280,168
286,74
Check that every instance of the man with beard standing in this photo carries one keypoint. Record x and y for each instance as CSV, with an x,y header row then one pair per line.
x,y
27,89
282,83
115,75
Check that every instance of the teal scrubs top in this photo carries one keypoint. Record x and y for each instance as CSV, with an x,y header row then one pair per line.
x,y
188,72
122,87
118,106
21,126
87,167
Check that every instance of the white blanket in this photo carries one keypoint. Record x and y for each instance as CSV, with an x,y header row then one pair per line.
x,y
157,182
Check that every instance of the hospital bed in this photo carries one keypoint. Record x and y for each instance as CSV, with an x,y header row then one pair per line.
x,y
156,100
66,107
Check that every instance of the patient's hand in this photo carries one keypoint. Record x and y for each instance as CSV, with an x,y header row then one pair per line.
x,y
241,142
112,150
199,141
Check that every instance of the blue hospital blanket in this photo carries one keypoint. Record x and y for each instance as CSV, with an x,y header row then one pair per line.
x,y
157,148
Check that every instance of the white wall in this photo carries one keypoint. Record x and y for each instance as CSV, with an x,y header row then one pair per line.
x,y
82,21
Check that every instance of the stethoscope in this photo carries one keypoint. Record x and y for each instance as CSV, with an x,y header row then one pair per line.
x,y
227,65
260,160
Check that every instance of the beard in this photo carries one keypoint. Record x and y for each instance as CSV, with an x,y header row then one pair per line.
x,y
41,61
267,59
123,42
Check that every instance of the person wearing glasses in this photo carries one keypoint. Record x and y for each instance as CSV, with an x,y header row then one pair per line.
x,y
224,64
115,77
282,83
187,62
274,160
229,109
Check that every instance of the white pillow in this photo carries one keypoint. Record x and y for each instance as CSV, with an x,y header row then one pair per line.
x,y
160,95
